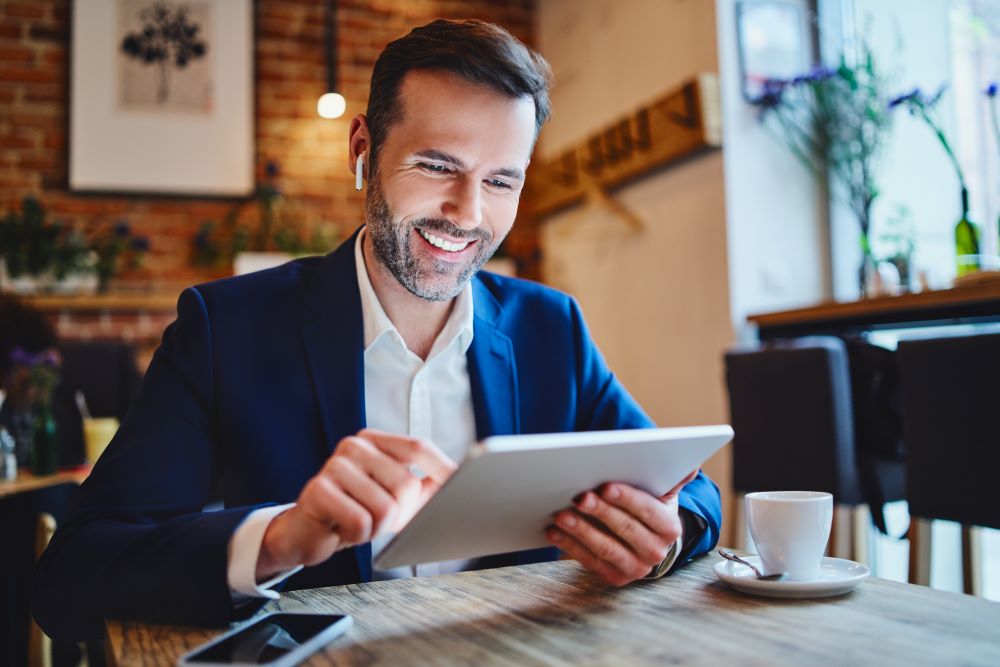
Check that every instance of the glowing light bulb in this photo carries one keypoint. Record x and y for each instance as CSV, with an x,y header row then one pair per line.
x,y
331,105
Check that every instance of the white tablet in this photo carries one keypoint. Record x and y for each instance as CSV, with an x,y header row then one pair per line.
x,y
508,487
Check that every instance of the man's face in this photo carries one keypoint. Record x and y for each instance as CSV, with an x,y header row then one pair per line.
x,y
448,180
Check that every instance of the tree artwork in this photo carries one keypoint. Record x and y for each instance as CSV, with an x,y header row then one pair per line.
x,y
168,38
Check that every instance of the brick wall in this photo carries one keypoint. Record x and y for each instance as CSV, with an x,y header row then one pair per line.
x,y
290,72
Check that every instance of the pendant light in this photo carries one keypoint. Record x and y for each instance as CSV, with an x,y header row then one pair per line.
x,y
331,104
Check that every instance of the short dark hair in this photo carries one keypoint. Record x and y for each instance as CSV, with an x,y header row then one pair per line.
x,y
479,52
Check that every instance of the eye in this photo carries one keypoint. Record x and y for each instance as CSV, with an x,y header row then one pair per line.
x,y
433,168
500,185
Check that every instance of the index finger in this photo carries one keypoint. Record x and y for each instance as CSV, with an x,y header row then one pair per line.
x,y
412,451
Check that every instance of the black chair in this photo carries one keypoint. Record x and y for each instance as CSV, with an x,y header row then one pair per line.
x,y
19,518
105,372
792,409
951,402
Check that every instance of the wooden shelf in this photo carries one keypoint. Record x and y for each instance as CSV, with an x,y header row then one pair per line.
x,y
973,301
156,302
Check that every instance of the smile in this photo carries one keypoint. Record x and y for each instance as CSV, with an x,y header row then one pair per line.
x,y
448,246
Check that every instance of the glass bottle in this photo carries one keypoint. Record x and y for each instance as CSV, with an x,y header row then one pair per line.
x,y
966,241
8,457
45,449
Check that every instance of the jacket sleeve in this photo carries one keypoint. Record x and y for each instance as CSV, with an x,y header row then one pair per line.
x,y
136,543
605,404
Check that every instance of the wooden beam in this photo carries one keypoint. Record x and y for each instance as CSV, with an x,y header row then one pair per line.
x,y
681,123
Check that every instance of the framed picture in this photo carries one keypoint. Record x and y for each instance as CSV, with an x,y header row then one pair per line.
x,y
161,97
774,42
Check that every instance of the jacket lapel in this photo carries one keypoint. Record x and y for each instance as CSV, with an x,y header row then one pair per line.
x,y
334,345
492,373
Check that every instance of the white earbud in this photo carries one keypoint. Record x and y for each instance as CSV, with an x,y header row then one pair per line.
x,y
359,170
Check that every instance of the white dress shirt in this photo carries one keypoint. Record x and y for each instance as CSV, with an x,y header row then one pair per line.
x,y
430,399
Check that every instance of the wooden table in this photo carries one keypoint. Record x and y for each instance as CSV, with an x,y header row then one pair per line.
x,y
27,482
557,614
976,302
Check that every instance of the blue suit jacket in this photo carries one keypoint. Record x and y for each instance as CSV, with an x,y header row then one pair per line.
x,y
251,389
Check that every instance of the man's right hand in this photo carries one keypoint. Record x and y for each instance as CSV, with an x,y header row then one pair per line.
x,y
365,488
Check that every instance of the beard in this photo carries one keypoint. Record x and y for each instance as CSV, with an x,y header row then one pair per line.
x,y
425,277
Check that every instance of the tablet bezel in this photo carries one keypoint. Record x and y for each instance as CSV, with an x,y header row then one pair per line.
x,y
440,531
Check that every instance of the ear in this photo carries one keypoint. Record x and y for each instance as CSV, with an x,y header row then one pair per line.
x,y
359,141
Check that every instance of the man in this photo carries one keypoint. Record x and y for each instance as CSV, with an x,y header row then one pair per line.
x,y
325,381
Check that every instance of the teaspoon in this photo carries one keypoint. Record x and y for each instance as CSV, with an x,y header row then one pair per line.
x,y
729,555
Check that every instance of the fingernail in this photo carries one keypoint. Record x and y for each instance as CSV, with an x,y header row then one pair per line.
x,y
566,519
612,492
585,501
554,535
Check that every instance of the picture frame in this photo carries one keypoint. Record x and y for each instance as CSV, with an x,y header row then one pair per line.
x,y
774,42
161,98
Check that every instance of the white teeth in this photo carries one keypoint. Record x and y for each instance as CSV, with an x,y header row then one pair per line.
x,y
441,243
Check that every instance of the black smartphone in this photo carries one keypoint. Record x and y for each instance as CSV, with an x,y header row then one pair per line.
x,y
277,639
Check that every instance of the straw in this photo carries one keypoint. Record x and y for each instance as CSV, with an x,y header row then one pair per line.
x,y
81,404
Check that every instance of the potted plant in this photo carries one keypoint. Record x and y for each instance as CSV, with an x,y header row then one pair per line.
x,y
115,249
835,121
43,376
897,244
280,232
37,256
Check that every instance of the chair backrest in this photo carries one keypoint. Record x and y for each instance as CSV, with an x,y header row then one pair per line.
x,y
790,405
951,427
107,375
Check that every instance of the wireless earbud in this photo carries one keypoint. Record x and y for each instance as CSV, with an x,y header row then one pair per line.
x,y
359,170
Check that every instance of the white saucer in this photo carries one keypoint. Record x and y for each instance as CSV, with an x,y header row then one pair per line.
x,y
836,577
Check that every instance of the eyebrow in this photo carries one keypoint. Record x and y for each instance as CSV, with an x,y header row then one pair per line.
x,y
441,156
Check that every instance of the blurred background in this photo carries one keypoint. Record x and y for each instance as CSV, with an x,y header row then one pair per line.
x,y
707,161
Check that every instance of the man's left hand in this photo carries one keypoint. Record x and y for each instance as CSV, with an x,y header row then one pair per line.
x,y
619,532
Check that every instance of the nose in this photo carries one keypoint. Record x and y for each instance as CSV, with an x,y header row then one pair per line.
x,y
463,204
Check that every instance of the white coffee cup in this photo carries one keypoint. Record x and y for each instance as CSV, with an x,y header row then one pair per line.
x,y
790,530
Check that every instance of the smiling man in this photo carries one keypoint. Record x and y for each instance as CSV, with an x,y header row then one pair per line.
x,y
308,393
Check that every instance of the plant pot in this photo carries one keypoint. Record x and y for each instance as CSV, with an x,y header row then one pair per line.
x,y
75,284
24,284
46,283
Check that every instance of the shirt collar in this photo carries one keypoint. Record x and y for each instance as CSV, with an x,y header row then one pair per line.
x,y
378,324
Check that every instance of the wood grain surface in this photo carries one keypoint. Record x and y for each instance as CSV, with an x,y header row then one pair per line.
x,y
558,614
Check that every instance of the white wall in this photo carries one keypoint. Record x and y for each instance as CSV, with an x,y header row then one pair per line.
x,y
727,233
609,56
776,220
656,300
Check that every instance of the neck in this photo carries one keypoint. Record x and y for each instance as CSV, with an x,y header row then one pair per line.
x,y
418,320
